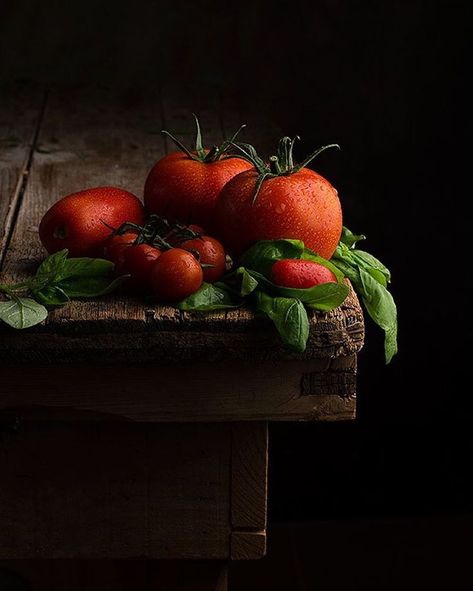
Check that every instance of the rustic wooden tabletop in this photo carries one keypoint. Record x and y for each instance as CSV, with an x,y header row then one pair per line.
x,y
129,359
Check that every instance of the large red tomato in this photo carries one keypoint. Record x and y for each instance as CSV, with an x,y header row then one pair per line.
x,y
185,185
183,189
292,202
81,222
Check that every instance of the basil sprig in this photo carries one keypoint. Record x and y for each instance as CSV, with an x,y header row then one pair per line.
x,y
370,279
57,280
285,307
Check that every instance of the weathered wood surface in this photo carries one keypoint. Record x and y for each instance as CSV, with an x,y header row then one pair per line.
x,y
112,137
120,490
236,390
95,490
115,575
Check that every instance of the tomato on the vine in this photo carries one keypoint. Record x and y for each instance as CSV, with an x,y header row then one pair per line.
x,y
185,185
175,275
210,252
115,244
283,200
137,261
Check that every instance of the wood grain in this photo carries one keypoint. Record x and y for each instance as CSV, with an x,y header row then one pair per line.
x,y
20,116
115,491
249,482
248,545
189,392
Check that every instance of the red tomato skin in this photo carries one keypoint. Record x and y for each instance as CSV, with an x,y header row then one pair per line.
x,y
303,206
115,244
175,275
78,221
211,252
173,237
300,274
185,190
138,261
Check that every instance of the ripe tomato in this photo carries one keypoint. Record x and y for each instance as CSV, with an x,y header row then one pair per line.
x,y
81,222
186,190
175,275
115,244
174,238
300,274
303,205
138,261
211,252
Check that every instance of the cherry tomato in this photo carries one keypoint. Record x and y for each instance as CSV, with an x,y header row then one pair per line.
x,y
138,261
116,244
211,252
175,275
300,274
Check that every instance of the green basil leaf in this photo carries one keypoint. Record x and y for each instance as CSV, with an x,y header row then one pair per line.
x,y
22,312
90,286
248,282
51,268
51,295
309,255
372,265
324,297
349,238
289,317
262,255
381,307
86,267
209,297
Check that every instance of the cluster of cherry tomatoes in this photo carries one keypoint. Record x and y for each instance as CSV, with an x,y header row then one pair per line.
x,y
172,267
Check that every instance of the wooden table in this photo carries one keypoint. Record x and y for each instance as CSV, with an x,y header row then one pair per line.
x,y
131,430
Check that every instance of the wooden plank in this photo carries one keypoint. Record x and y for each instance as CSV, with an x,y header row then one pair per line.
x,y
164,334
115,491
21,107
248,545
227,391
130,575
249,481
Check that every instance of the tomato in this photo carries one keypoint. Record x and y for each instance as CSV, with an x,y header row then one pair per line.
x,y
115,244
292,202
81,222
300,273
138,261
211,252
186,190
175,275
184,186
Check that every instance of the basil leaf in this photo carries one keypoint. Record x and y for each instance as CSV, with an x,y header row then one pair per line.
x,y
289,317
209,297
51,295
262,255
22,312
372,265
90,287
382,309
86,267
349,238
248,282
51,268
324,297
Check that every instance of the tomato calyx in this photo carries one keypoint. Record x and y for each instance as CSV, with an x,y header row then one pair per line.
x,y
280,164
200,154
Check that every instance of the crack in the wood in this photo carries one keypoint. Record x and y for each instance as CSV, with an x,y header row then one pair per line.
x,y
22,182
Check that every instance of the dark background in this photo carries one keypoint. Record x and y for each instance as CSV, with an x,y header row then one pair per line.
x,y
386,80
